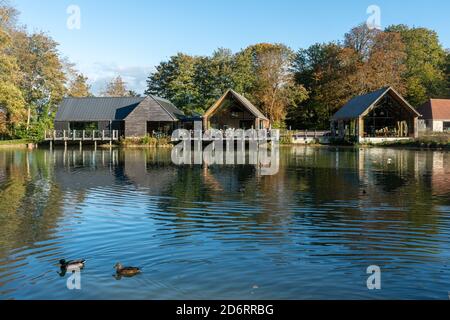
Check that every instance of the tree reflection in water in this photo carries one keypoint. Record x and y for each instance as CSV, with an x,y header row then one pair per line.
x,y
344,206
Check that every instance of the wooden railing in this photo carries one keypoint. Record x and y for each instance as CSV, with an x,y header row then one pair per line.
x,y
305,133
233,134
81,135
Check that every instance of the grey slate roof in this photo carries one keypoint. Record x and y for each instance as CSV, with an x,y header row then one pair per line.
x,y
254,110
358,105
170,108
107,108
96,108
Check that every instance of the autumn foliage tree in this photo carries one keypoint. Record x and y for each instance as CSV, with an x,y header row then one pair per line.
x,y
42,74
12,103
333,73
424,63
79,87
275,89
116,88
260,72
300,89
34,78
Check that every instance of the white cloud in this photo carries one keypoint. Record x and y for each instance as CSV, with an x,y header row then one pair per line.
x,y
101,73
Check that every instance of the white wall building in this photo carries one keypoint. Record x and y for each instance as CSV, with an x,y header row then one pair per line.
x,y
436,115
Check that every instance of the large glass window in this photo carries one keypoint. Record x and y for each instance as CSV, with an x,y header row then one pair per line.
x,y
388,119
158,128
87,126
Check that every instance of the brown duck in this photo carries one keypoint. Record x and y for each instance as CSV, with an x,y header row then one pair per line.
x,y
126,271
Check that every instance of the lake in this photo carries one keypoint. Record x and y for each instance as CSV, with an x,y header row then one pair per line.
x,y
226,232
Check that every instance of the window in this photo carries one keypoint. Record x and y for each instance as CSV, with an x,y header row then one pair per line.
x,y
87,126
446,126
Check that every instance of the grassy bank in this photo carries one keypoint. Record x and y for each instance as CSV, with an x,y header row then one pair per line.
x,y
146,142
14,143
429,141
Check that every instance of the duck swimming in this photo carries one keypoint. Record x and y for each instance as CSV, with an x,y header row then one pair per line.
x,y
126,271
72,265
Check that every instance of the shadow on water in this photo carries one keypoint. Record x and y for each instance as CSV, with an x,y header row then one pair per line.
x,y
217,231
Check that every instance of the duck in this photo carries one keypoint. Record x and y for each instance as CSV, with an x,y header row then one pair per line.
x,y
126,271
72,264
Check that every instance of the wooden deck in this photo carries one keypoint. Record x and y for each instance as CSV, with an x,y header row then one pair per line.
x,y
82,135
230,135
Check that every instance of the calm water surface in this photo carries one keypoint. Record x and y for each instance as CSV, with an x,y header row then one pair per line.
x,y
310,232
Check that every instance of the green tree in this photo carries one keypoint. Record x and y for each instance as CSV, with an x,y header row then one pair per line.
x,y
318,68
12,104
213,76
79,87
116,88
334,73
12,109
425,63
175,80
42,73
243,77
260,72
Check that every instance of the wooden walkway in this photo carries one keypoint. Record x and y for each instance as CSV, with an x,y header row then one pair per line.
x,y
82,135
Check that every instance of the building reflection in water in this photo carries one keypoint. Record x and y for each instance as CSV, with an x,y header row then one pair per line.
x,y
321,185
338,208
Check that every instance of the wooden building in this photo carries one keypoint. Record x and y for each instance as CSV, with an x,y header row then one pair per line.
x,y
234,111
436,115
130,116
380,116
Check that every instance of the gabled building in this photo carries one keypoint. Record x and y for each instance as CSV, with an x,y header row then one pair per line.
x,y
379,116
436,115
234,111
131,116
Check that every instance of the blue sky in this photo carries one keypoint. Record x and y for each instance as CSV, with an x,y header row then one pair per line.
x,y
131,37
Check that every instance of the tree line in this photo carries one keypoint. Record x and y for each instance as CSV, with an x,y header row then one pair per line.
x,y
298,89
34,78
303,89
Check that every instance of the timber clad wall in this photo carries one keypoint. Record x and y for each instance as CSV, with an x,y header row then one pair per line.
x,y
147,110
233,110
223,118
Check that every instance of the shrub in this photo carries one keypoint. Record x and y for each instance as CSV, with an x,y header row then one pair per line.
x,y
147,141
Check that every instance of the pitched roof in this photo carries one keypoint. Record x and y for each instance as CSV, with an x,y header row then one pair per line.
x,y
244,102
435,109
169,107
359,105
96,108
254,110
107,108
